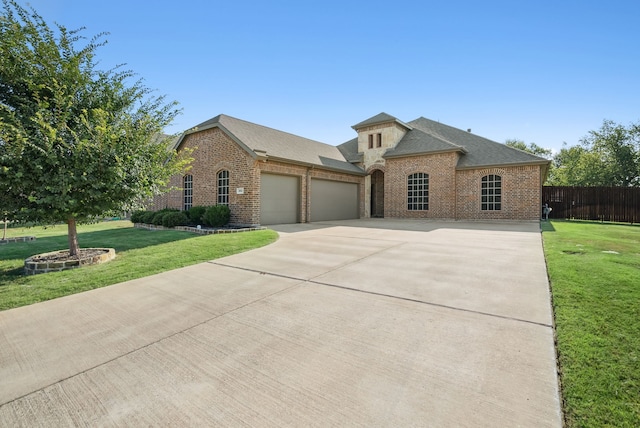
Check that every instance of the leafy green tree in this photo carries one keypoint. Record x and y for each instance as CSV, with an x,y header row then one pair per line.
x,y
618,148
532,148
576,166
76,142
609,156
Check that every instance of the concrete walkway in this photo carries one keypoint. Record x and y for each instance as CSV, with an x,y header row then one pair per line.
x,y
354,323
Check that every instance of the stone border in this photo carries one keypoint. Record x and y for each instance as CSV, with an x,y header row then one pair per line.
x,y
198,231
33,268
17,239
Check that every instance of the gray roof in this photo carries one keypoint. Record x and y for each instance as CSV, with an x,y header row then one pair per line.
x,y
426,136
350,151
478,151
278,145
379,118
423,136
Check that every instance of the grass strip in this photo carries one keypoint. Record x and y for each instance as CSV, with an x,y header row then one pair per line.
x,y
139,253
594,270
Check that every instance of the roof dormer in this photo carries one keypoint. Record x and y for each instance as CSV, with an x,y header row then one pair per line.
x,y
380,132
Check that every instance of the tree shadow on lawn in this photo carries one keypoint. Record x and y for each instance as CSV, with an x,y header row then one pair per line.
x,y
120,239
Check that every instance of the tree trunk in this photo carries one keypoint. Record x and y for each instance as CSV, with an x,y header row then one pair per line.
x,y
4,234
73,237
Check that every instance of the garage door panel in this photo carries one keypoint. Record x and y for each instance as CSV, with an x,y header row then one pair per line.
x,y
333,200
279,199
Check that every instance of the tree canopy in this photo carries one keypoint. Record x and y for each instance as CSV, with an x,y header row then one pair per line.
x,y
532,148
609,156
76,142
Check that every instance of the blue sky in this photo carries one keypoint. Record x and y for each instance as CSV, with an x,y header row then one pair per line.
x,y
545,71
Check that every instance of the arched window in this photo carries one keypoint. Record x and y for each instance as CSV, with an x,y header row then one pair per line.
x,y
491,193
418,192
187,185
223,187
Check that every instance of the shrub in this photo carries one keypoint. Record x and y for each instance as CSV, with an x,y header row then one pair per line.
x,y
147,217
195,214
174,218
136,216
157,217
217,215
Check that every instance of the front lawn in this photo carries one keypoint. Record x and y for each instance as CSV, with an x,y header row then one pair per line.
x,y
139,253
594,270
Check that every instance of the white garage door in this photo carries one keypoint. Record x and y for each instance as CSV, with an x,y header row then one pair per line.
x,y
279,199
333,200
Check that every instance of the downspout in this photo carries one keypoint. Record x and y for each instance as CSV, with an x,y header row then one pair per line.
x,y
455,192
308,193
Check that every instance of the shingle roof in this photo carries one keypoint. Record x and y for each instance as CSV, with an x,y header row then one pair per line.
x,y
426,136
350,151
379,118
417,141
479,151
423,136
278,144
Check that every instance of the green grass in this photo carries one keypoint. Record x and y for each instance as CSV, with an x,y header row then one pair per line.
x,y
139,253
596,301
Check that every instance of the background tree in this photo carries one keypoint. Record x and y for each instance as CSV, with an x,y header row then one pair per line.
x,y
609,156
75,142
532,148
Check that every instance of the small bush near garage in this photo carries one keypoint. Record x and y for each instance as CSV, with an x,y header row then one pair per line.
x,y
157,218
159,215
175,218
138,216
217,216
147,217
195,214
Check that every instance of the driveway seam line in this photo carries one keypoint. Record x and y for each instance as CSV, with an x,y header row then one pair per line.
x,y
399,243
424,302
148,345
408,299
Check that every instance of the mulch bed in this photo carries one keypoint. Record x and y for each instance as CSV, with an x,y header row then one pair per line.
x,y
63,256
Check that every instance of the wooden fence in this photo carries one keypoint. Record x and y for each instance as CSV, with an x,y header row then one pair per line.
x,y
620,204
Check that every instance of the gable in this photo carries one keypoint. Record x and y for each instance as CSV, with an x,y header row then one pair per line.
x,y
478,151
262,142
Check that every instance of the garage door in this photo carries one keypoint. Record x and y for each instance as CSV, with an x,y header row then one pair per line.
x,y
279,199
333,200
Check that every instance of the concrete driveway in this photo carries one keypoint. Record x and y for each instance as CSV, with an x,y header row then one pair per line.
x,y
353,323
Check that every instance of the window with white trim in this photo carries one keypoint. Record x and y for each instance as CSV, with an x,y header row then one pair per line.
x,y
187,186
223,187
491,193
418,192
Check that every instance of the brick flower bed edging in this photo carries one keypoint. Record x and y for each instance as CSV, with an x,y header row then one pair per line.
x,y
199,231
32,267
18,239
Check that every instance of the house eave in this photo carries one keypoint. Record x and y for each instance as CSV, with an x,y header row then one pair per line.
x,y
504,165
236,140
382,122
313,165
434,152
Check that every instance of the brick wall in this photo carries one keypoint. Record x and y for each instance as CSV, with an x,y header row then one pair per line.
x,y
441,170
452,194
521,193
214,151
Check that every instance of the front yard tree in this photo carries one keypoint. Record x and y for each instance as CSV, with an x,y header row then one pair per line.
x,y
76,142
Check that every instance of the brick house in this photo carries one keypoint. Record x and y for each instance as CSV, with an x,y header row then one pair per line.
x,y
418,169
